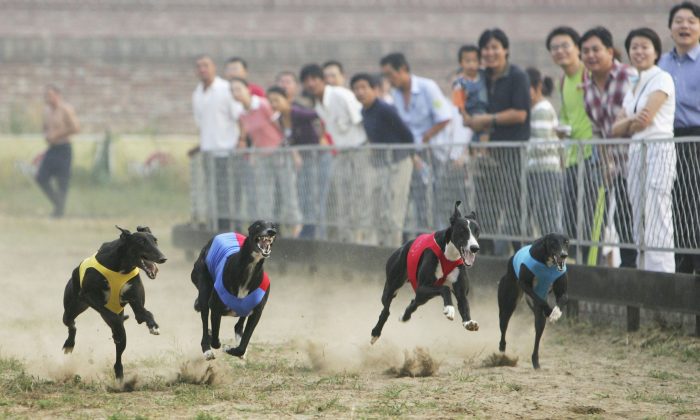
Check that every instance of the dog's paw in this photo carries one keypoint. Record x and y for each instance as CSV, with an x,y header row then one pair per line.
x,y
374,339
471,325
209,355
234,351
67,350
555,315
449,312
154,330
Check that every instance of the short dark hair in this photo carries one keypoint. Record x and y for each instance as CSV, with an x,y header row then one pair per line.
x,y
287,73
467,49
238,79
311,70
366,77
563,30
647,33
536,79
278,90
599,32
396,61
694,8
495,33
330,63
238,60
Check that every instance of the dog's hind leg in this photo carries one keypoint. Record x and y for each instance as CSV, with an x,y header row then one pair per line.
x,y
215,327
540,322
395,278
72,307
508,295
238,329
250,324
424,294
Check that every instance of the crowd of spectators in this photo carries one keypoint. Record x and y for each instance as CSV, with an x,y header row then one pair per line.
x,y
655,96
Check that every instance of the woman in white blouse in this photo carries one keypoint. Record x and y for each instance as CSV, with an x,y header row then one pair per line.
x,y
647,113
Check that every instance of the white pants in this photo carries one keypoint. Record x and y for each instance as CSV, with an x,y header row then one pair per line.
x,y
651,202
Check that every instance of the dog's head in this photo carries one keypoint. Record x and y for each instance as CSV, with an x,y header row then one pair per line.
x,y
556,247
263,234
464,232
142,250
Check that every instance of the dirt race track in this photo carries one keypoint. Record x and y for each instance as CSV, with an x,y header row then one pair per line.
x,y
310,356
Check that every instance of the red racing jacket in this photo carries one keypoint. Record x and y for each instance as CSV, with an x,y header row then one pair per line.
x,y
423,242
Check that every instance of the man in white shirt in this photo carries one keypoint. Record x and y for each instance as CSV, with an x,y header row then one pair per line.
x,y
341,114
216,115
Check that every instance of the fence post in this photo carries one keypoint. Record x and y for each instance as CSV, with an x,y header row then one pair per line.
x,y
579,202
524,213
632,318
643,201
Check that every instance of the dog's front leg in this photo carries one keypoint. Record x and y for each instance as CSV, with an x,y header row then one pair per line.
x,y
250,324
116,324
559,288
135,295
424,294
461,290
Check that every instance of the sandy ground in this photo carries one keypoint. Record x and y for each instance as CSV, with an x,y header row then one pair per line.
x,y
311,355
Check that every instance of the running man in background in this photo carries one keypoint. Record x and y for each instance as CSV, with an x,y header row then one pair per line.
x,y
59,124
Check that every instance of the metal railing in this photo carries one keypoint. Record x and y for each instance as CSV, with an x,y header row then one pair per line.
x,y
636,195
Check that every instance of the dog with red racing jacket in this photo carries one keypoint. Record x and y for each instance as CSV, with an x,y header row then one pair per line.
x,y
436,265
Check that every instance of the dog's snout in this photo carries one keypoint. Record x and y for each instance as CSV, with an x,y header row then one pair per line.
x,y
162,260
474,248
564,254
270,232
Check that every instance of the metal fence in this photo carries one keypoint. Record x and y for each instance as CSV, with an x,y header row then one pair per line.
x,y
636,195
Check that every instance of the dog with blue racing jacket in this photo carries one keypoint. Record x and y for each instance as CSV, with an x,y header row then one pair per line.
x,y
230,281
535,270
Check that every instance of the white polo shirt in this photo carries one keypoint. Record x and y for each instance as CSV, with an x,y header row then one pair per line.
x,y
342,116
216,114
651,81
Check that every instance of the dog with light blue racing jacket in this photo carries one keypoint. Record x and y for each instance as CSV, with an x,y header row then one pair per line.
x,y
230,279
535,270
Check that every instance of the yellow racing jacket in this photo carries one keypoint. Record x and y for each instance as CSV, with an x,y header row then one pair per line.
x,y
115,279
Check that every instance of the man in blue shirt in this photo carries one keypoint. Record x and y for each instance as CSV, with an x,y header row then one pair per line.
x,y
391,181
683,63
425,110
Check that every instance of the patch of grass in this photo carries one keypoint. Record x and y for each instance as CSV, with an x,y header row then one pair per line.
x,y
205,416
331,405
663,375
514,387
393,391
663,398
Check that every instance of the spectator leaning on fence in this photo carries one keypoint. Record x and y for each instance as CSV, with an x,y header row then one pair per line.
x,y
607,81
683,63
392,178
544,178
60,123
426,112
563,45
297,124
238,67
647,113
274,172
508,119
216,115
342,118
288,81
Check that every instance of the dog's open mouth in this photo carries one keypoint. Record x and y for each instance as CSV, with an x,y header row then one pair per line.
x,y
264,244
468,257
560,261
149,267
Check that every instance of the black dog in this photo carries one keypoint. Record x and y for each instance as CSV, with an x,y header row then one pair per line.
x,y
108,281
535,269
230,280
426,262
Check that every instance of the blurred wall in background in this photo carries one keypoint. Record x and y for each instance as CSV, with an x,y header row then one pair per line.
x,y
126,65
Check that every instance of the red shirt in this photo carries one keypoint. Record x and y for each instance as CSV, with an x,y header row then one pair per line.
x,y
423,242
256,90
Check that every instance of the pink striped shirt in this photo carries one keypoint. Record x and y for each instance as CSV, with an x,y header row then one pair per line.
x,y
259,124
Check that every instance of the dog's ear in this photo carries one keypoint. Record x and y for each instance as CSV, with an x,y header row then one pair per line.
x,y
472,215
276,227
125,232
456,214
143,229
